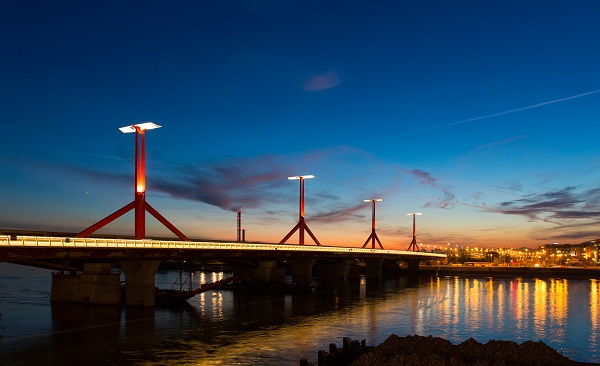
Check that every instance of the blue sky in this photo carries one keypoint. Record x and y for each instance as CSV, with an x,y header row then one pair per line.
x,y
482,115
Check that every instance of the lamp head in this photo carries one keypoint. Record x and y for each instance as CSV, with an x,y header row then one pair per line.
x,y
141,126
301,177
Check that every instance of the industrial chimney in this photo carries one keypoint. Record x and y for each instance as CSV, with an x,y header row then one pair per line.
x,y
239,226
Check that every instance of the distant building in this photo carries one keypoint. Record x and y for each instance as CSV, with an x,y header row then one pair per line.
x,y
585,254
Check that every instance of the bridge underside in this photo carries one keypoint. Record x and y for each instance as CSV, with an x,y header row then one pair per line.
x,y
140,263
81,280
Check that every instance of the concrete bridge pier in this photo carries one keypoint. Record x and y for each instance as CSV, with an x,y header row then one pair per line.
x,y
139,281
373,268
302,269
413,266
344,269
95,285
267,271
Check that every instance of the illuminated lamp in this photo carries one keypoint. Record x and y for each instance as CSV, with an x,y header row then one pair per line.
x,y
413,244
139,203
373,237
301,225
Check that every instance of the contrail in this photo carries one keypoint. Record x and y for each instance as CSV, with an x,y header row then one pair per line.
x,y
505,112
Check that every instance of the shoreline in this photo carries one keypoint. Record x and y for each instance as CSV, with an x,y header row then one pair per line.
x,y
498,271
436,351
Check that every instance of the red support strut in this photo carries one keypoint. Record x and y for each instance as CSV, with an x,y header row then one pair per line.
x,y
373,237
413,244
139,203
301,225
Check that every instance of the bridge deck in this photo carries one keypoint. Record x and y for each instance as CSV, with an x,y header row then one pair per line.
x,y
13,243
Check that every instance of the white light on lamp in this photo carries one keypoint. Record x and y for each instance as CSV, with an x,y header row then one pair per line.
x,y
301,177
374,200
142,126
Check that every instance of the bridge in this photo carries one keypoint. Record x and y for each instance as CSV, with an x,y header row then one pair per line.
x,y
140,260
140,257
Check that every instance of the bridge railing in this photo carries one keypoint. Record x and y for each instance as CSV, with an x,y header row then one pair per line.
x,y
68,242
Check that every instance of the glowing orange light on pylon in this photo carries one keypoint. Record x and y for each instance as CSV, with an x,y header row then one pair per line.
x,y
140,129
139,204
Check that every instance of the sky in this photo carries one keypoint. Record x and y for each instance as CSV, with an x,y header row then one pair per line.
x,y
481,115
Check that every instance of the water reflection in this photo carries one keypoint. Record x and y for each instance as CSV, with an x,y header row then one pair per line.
x,y
595,314
252,327
539,304
537,307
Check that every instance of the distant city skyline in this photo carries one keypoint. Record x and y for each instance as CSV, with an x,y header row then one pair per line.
x,y
482,116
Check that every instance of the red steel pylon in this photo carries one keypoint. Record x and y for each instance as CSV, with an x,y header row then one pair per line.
x,y
139,201
413,244
373,235
301,225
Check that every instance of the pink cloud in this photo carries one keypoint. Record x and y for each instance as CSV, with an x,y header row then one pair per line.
x,y
424,178
323,81
341,214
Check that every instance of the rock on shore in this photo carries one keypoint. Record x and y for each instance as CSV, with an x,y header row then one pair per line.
x,y
434,351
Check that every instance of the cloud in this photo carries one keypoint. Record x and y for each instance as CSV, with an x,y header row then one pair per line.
x,y
502,142
446,201
234,184
341,214
424,177
321,82
230,185
544,205
574,211
245,183
260,182
512,186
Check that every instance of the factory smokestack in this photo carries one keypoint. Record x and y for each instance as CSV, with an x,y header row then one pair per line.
x,y
239,226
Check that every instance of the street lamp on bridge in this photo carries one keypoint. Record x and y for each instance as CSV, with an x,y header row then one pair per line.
x,y
413,244
139,201
301,225
373,235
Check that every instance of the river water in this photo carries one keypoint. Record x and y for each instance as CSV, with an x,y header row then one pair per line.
x,y
227,327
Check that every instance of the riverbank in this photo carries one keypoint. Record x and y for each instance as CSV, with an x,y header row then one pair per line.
x,y
434,351
509,271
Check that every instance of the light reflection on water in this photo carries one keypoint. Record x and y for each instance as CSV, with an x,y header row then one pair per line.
x,y
595,314
226,327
